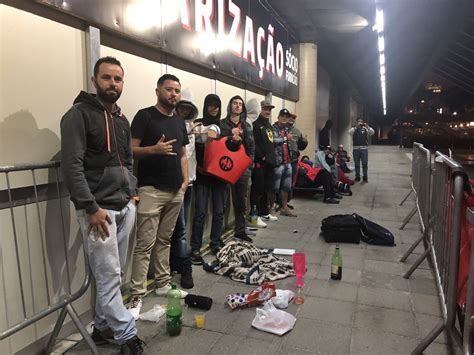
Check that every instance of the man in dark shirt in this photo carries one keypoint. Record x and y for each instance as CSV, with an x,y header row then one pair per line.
x,y
264,162
159,139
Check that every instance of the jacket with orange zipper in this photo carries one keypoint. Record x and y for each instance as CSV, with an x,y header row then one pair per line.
x,y
96,155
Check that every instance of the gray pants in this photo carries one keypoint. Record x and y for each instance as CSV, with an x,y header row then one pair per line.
x,y
107,258
361,154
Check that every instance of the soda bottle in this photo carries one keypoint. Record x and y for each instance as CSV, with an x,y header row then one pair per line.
x,y
174,312
299,299
336,265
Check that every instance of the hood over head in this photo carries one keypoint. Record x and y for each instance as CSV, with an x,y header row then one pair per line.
x,y
208,119
253,109
188,100
243,115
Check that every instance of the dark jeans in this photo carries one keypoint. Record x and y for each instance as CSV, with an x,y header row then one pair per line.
x,y
216,188
324,179
261,186
239,199
178,239
361,155
294,171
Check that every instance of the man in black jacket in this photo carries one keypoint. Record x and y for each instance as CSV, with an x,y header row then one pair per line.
x,y
97,169
264,162
239,131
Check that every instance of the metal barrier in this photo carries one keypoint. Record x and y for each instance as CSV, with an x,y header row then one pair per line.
x,y
444,231
35,194
421,186
468,331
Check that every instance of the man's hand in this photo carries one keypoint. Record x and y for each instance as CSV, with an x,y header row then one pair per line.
x,y
236,131
236,138
184,186
212,134
289,136
98,224
162,147
305,138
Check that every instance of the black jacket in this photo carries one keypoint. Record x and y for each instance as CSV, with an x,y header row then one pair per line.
x,y
263,137
96,155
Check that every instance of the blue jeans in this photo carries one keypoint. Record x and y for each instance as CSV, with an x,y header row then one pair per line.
x,y
178,239
201,198
361,154
106,259
282,178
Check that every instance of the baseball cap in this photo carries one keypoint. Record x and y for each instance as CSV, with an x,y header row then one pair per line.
x,y
285,112
266,103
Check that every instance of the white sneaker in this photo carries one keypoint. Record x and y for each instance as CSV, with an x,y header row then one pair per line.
x,y
258,223
135,306
269,217
163,291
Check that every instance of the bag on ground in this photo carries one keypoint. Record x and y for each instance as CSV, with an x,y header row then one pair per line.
x,y
373,233
341,228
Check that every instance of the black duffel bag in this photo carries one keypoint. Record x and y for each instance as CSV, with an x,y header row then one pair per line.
x,y
373,233
341,228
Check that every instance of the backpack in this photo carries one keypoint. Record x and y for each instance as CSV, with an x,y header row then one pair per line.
x,y
341,228
373,233
343,189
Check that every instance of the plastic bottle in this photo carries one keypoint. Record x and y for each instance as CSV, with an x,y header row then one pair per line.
x,y
299,299
174,312
336,265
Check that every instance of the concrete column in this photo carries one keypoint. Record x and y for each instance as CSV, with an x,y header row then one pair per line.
x,y
345,115
306,105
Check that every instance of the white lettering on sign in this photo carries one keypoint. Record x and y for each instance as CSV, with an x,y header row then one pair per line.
x,y
275,60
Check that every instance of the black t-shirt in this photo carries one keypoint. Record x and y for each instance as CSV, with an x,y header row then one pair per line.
x,y
160,171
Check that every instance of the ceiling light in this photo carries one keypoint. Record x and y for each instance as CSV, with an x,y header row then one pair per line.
x,y
379,26
455,113
422,101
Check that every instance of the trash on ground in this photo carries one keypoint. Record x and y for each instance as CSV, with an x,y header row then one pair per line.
x,y
154,314
279,251
272,320
256,297
282,298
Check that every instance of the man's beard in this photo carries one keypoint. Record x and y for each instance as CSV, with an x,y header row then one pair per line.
x,y
166,103
108,97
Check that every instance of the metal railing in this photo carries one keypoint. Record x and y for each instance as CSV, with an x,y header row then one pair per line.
x,y
35,194
444,231
421,187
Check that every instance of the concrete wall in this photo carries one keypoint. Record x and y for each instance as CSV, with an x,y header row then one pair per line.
x,y
42,69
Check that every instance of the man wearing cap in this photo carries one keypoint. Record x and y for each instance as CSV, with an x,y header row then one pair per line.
x,y
264,160
283,157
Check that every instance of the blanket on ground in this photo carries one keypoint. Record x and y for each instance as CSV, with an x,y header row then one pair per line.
x,y
244,262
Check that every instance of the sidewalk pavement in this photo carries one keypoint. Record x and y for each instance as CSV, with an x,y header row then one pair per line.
x,y
373,310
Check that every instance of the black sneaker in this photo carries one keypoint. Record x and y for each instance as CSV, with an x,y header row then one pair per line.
x,y
132,347
290,206
336,196
187,274
215,250
331,200
357,178
102,337
366,179
244,236
196,258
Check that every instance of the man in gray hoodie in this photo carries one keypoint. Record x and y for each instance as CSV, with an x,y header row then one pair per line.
x,y
97,169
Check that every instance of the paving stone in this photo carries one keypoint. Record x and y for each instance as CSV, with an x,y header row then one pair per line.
x,y
384,280
320,337
232,344
373,340
426,323
426,304
389,320
328,310
337,290
387,267
384,298
423,285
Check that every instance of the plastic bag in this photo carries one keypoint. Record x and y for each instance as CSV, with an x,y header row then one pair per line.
x,y
154,314
272,320
282,298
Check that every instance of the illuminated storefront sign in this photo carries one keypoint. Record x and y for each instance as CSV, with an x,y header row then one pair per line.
x,y
238,38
